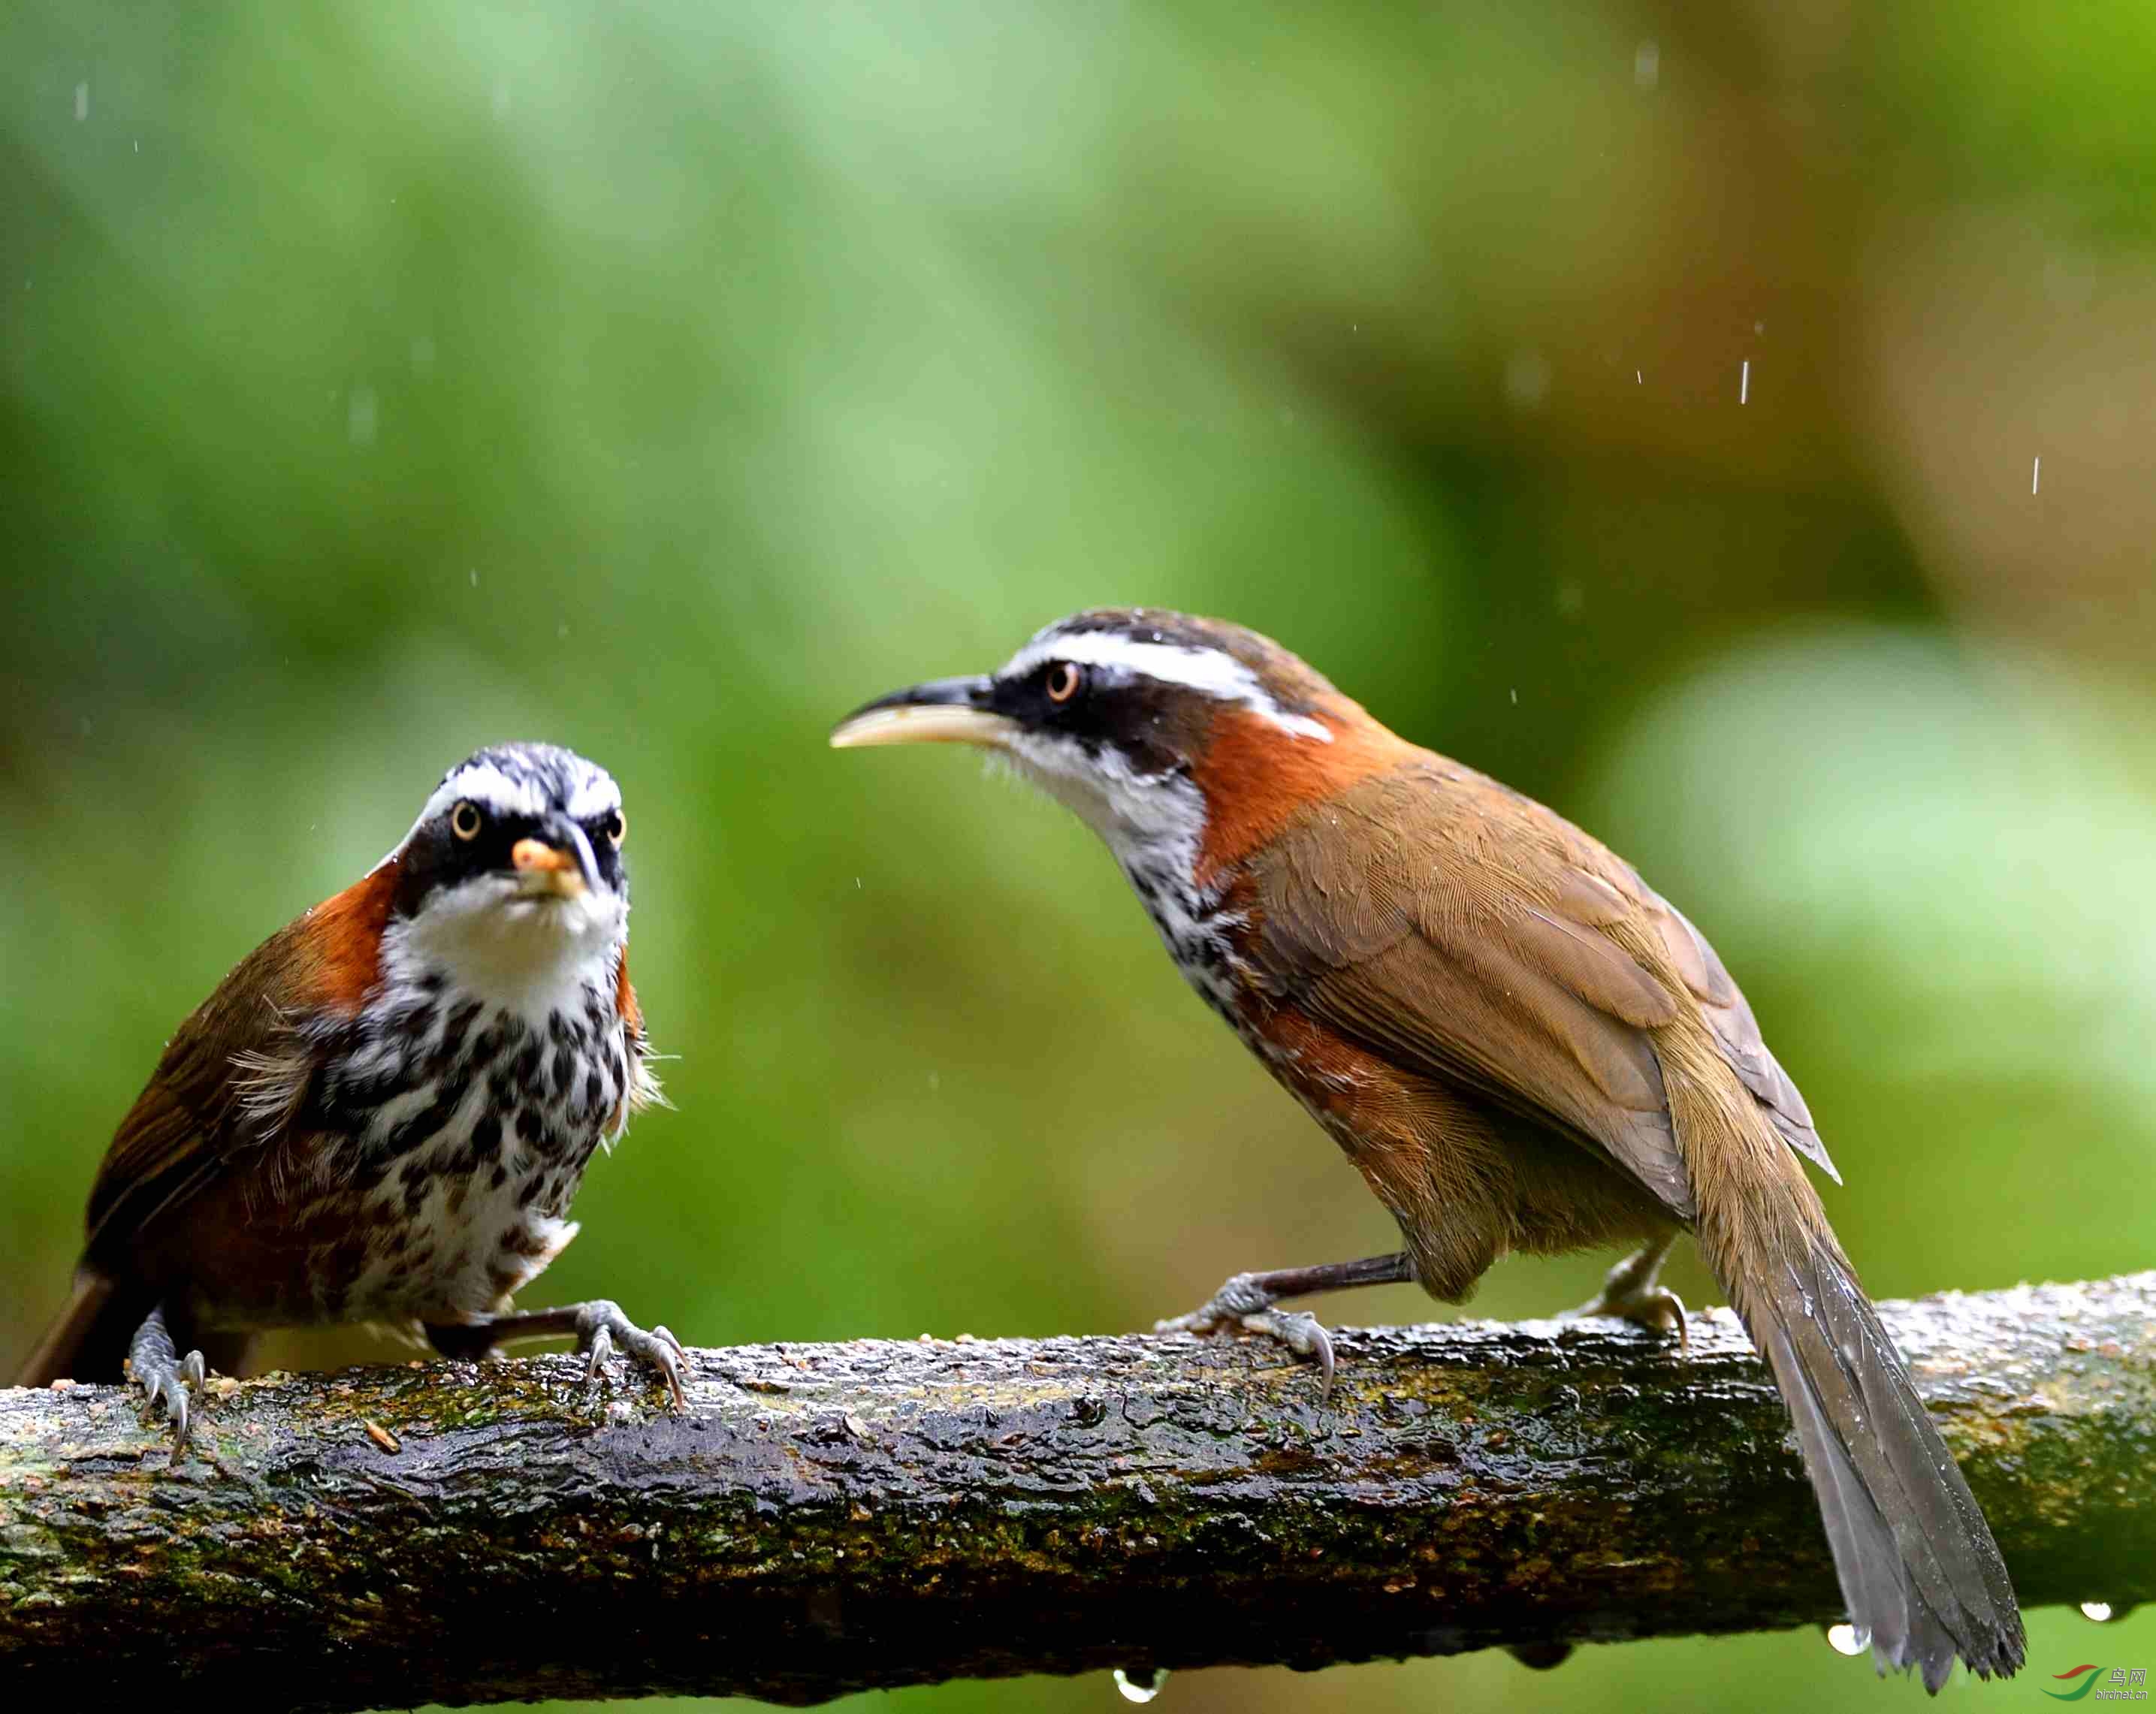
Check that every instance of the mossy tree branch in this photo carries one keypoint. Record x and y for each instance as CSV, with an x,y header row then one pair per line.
x,y
824,1518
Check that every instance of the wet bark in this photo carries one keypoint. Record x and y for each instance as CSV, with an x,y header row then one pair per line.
x,y
828,1518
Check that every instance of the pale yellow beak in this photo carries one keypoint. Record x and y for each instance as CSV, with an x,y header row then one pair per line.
x,y
545,870
945,711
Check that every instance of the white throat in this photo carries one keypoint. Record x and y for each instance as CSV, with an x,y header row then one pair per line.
x,y
1144,818
1155,825
532,957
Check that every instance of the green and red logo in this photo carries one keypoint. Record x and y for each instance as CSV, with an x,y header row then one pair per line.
x,y
2120,1683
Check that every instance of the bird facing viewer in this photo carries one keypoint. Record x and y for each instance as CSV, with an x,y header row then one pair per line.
x,y
384,1113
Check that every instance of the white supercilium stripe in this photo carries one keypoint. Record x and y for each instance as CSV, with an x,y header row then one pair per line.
x,y
1210,671
486,784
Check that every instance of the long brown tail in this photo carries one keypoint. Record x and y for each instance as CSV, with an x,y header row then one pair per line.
x,y
1918,1568
89,1339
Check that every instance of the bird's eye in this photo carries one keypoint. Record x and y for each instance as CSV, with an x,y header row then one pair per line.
x,y
1065,678
465,820
616,828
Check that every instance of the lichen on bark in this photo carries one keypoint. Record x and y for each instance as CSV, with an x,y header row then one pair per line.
x,y
827,1518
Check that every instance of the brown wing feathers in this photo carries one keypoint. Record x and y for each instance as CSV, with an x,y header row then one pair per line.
x,y
1419,936
195,1114
195,1117
1478,942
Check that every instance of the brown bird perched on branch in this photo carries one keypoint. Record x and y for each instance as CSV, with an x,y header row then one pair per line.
x,y
384,1113
1520,1044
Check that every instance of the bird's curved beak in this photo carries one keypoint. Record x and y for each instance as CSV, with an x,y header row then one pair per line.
x,y
941,711
555,862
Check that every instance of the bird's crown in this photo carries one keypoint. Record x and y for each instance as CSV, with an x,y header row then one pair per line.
x,y
526,780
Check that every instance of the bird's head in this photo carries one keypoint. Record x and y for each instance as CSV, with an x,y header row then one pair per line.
x,y
513,873
1162,731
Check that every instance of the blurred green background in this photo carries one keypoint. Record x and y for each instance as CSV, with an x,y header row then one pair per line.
x,y
1644,402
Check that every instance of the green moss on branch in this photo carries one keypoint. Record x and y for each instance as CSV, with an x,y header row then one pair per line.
x,y
828,1518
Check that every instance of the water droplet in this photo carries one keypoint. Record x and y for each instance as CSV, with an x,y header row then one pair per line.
x,y
2036,474
2098,1611
81,102
1526,379
1848,1639
1140,1683
1744,381
1647,65
363,416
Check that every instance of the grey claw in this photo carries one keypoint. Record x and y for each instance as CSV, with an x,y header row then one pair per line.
x,y
1657,1310
598,1346
168,1395
171,1391
1243,1303
1327,1365
1303,1334
166,1379
665,1355
601,1326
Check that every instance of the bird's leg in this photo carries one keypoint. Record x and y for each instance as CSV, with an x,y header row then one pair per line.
x,y
464,1342
598,1328
1633,1290
166,1379
1248,1300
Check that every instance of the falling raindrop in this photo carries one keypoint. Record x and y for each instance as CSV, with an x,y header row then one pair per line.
x,y
1540,1657
1848,1639
1140,1683
81,102
1647,65
363,416
2098,1611
2035,472
1744,381
1527,378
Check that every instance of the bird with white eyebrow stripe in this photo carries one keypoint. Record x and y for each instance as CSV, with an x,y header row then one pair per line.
x,y
384,1112
1520,1044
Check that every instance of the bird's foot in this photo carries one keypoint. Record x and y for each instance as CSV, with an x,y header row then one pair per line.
x,y
1631,1292
601,1327
168,1380
1244,1302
